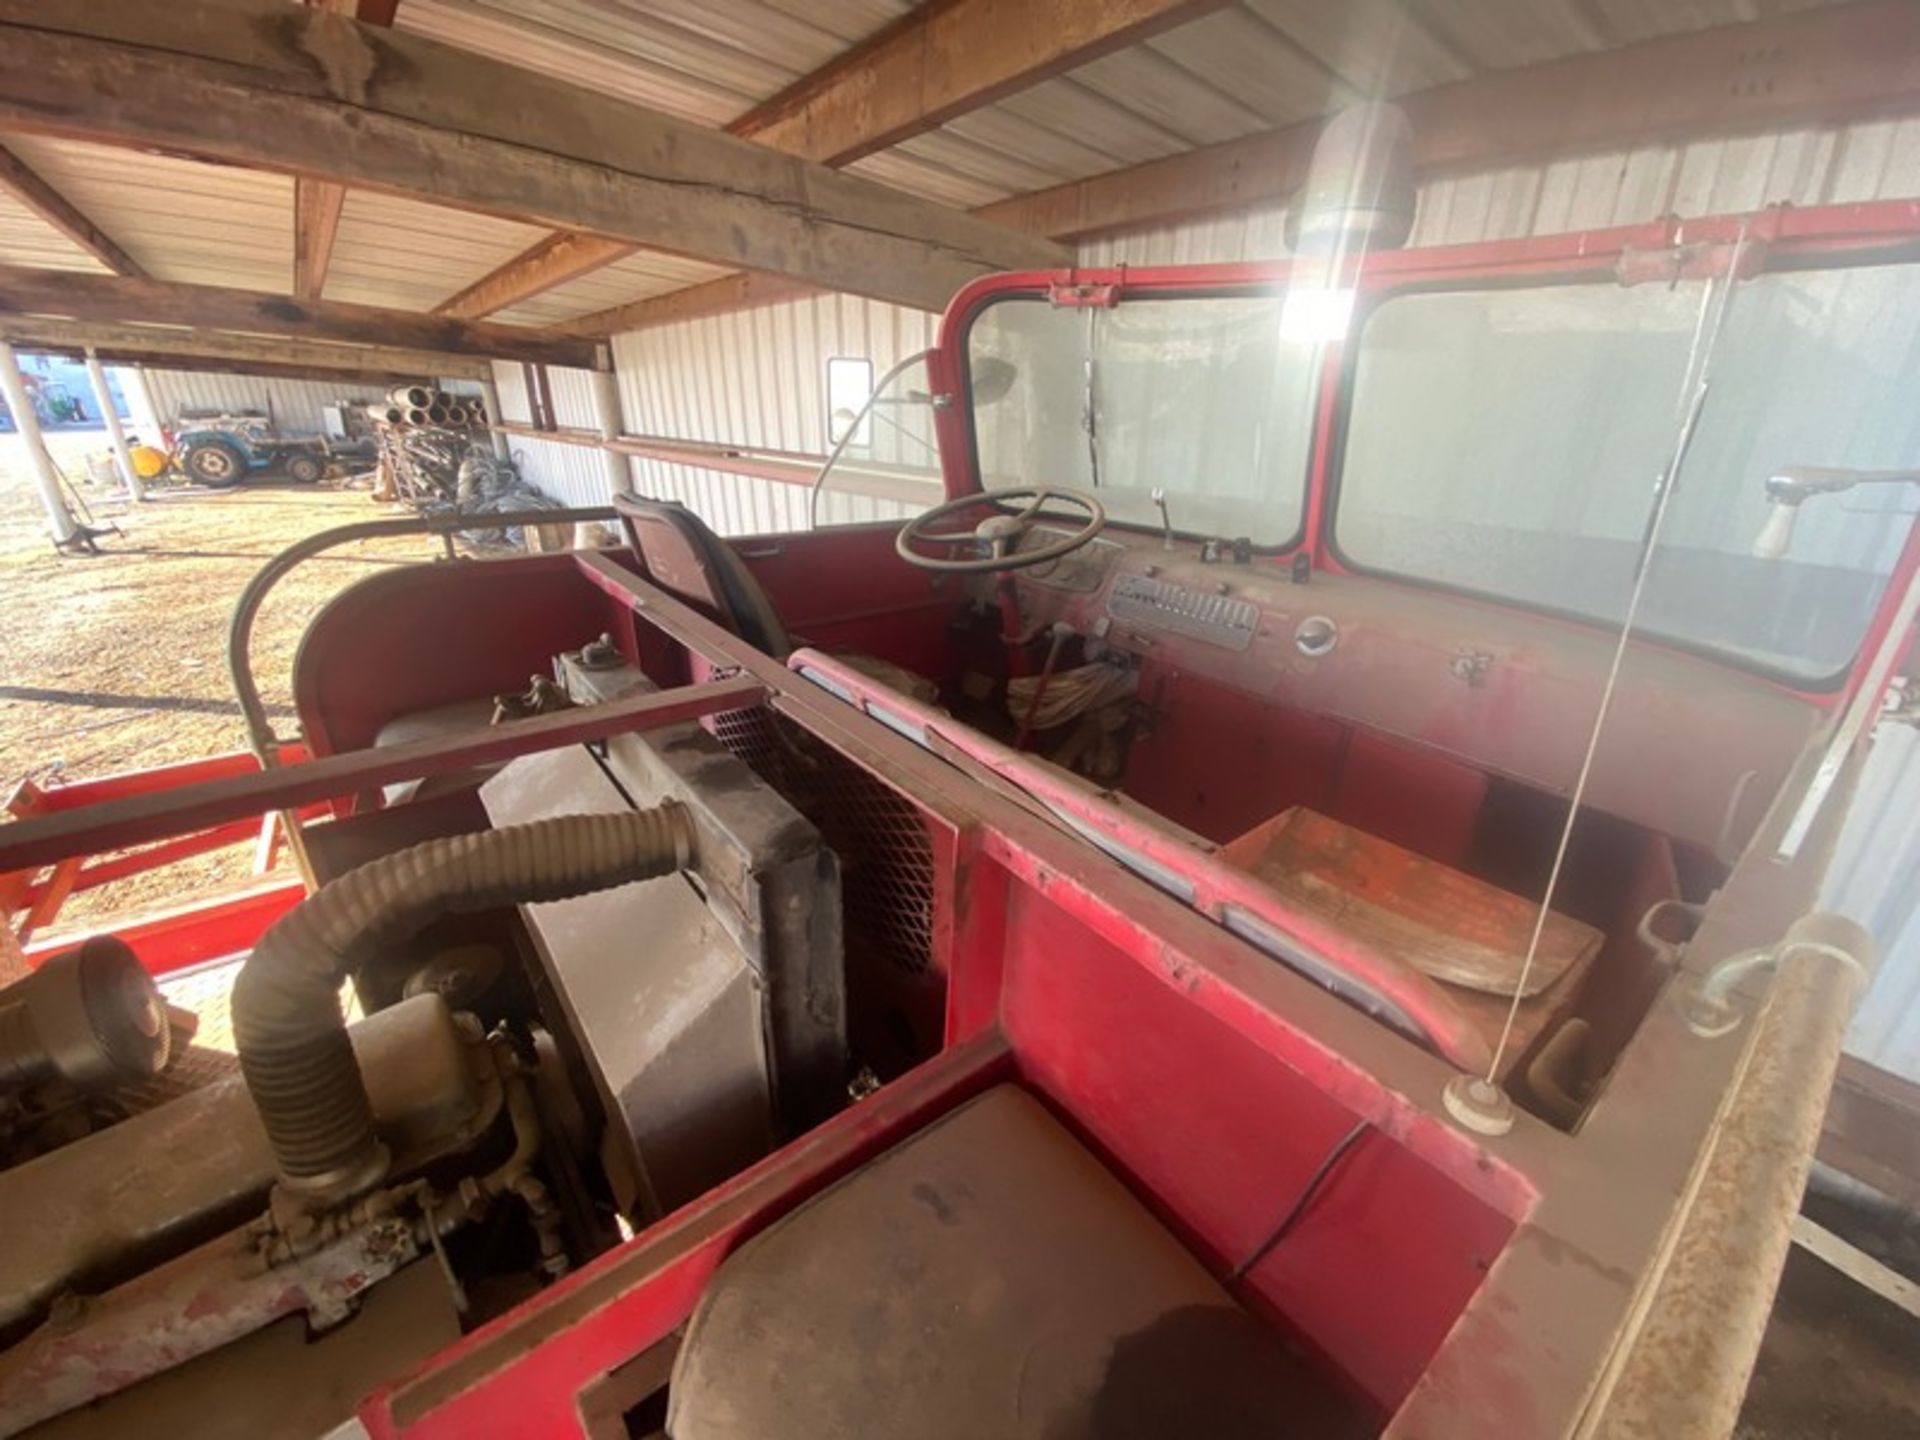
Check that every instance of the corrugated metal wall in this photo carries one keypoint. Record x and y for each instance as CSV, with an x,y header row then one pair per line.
x,y
571,474
1873,161
1876,881
294,404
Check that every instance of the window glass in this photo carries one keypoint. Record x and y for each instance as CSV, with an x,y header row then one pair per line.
x,y
1202,398
1507,442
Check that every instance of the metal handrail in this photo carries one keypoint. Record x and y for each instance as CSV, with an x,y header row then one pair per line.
x,y
253,711
260,737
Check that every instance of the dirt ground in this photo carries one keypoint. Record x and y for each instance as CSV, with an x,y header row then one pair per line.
x,y
118,661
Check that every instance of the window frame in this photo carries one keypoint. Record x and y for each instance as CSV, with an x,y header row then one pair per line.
x,y
1339,427
1270,289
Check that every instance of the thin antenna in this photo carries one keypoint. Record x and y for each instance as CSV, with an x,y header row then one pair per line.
x,y
1479,1103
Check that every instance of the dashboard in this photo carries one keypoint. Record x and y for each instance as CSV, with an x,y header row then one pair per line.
x,y
1694,748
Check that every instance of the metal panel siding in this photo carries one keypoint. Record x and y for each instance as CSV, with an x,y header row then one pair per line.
x,y
181,219
26,239
294,404
572,392
1878,160
571,474
757,378
511,381
411,255
701,62
645,273
1876,880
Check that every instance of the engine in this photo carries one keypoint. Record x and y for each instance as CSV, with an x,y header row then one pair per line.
x,y
579,991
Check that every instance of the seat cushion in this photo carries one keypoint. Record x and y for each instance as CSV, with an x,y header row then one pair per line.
x,y
987,1277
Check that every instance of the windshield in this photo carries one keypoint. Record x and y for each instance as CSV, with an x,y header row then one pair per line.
x,y
1506,442
1201,398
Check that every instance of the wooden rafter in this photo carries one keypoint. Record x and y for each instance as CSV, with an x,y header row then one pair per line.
x,y
26,186
267,85
1827,66
316,219
188,349
118,300
942,60
317,203
933,63
560,257
721,296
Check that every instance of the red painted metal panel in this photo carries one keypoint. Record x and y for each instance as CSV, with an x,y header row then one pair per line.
x,y
171,940
521,1374
423,636
140,818
1414,798
1221,1134
1219,761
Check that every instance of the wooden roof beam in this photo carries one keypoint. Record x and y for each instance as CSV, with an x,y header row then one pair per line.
x,y
1819,67
933,63
26,186
722,296
316,220
118,300
187,349
560,257
942,60
1823,67
277,87
317,203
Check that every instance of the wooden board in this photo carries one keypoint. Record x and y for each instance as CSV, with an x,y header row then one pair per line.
x,y
1429,916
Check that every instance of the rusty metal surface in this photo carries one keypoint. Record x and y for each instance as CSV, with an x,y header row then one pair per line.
x,y
197,1303
99,1209
280,1380
119,823
1685,1373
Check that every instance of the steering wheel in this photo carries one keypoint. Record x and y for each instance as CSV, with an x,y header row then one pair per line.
x,y
999,532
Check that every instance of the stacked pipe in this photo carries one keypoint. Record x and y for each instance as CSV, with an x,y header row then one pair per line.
x,y
419,405
436,455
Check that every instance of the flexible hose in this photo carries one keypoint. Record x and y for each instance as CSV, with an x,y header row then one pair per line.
x,y
287,1023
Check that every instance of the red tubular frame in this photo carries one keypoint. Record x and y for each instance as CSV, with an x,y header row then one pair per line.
x,y
1657,251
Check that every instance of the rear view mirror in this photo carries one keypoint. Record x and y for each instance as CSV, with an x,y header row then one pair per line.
x,y
1787,489
993,379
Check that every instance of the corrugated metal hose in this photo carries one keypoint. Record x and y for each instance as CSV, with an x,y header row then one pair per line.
x,y
287,1022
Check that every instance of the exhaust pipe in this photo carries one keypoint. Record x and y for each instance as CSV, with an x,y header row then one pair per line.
x,y
287,1024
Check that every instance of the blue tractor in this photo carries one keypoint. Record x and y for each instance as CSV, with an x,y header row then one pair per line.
x,y
221,451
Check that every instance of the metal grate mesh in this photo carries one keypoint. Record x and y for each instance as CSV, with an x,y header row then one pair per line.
x,y
886,859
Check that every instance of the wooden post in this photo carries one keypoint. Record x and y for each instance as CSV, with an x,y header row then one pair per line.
x,y
26,424
606,415
97,373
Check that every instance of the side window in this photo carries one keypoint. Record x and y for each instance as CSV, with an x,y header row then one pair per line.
x,y
849,387
1506,442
